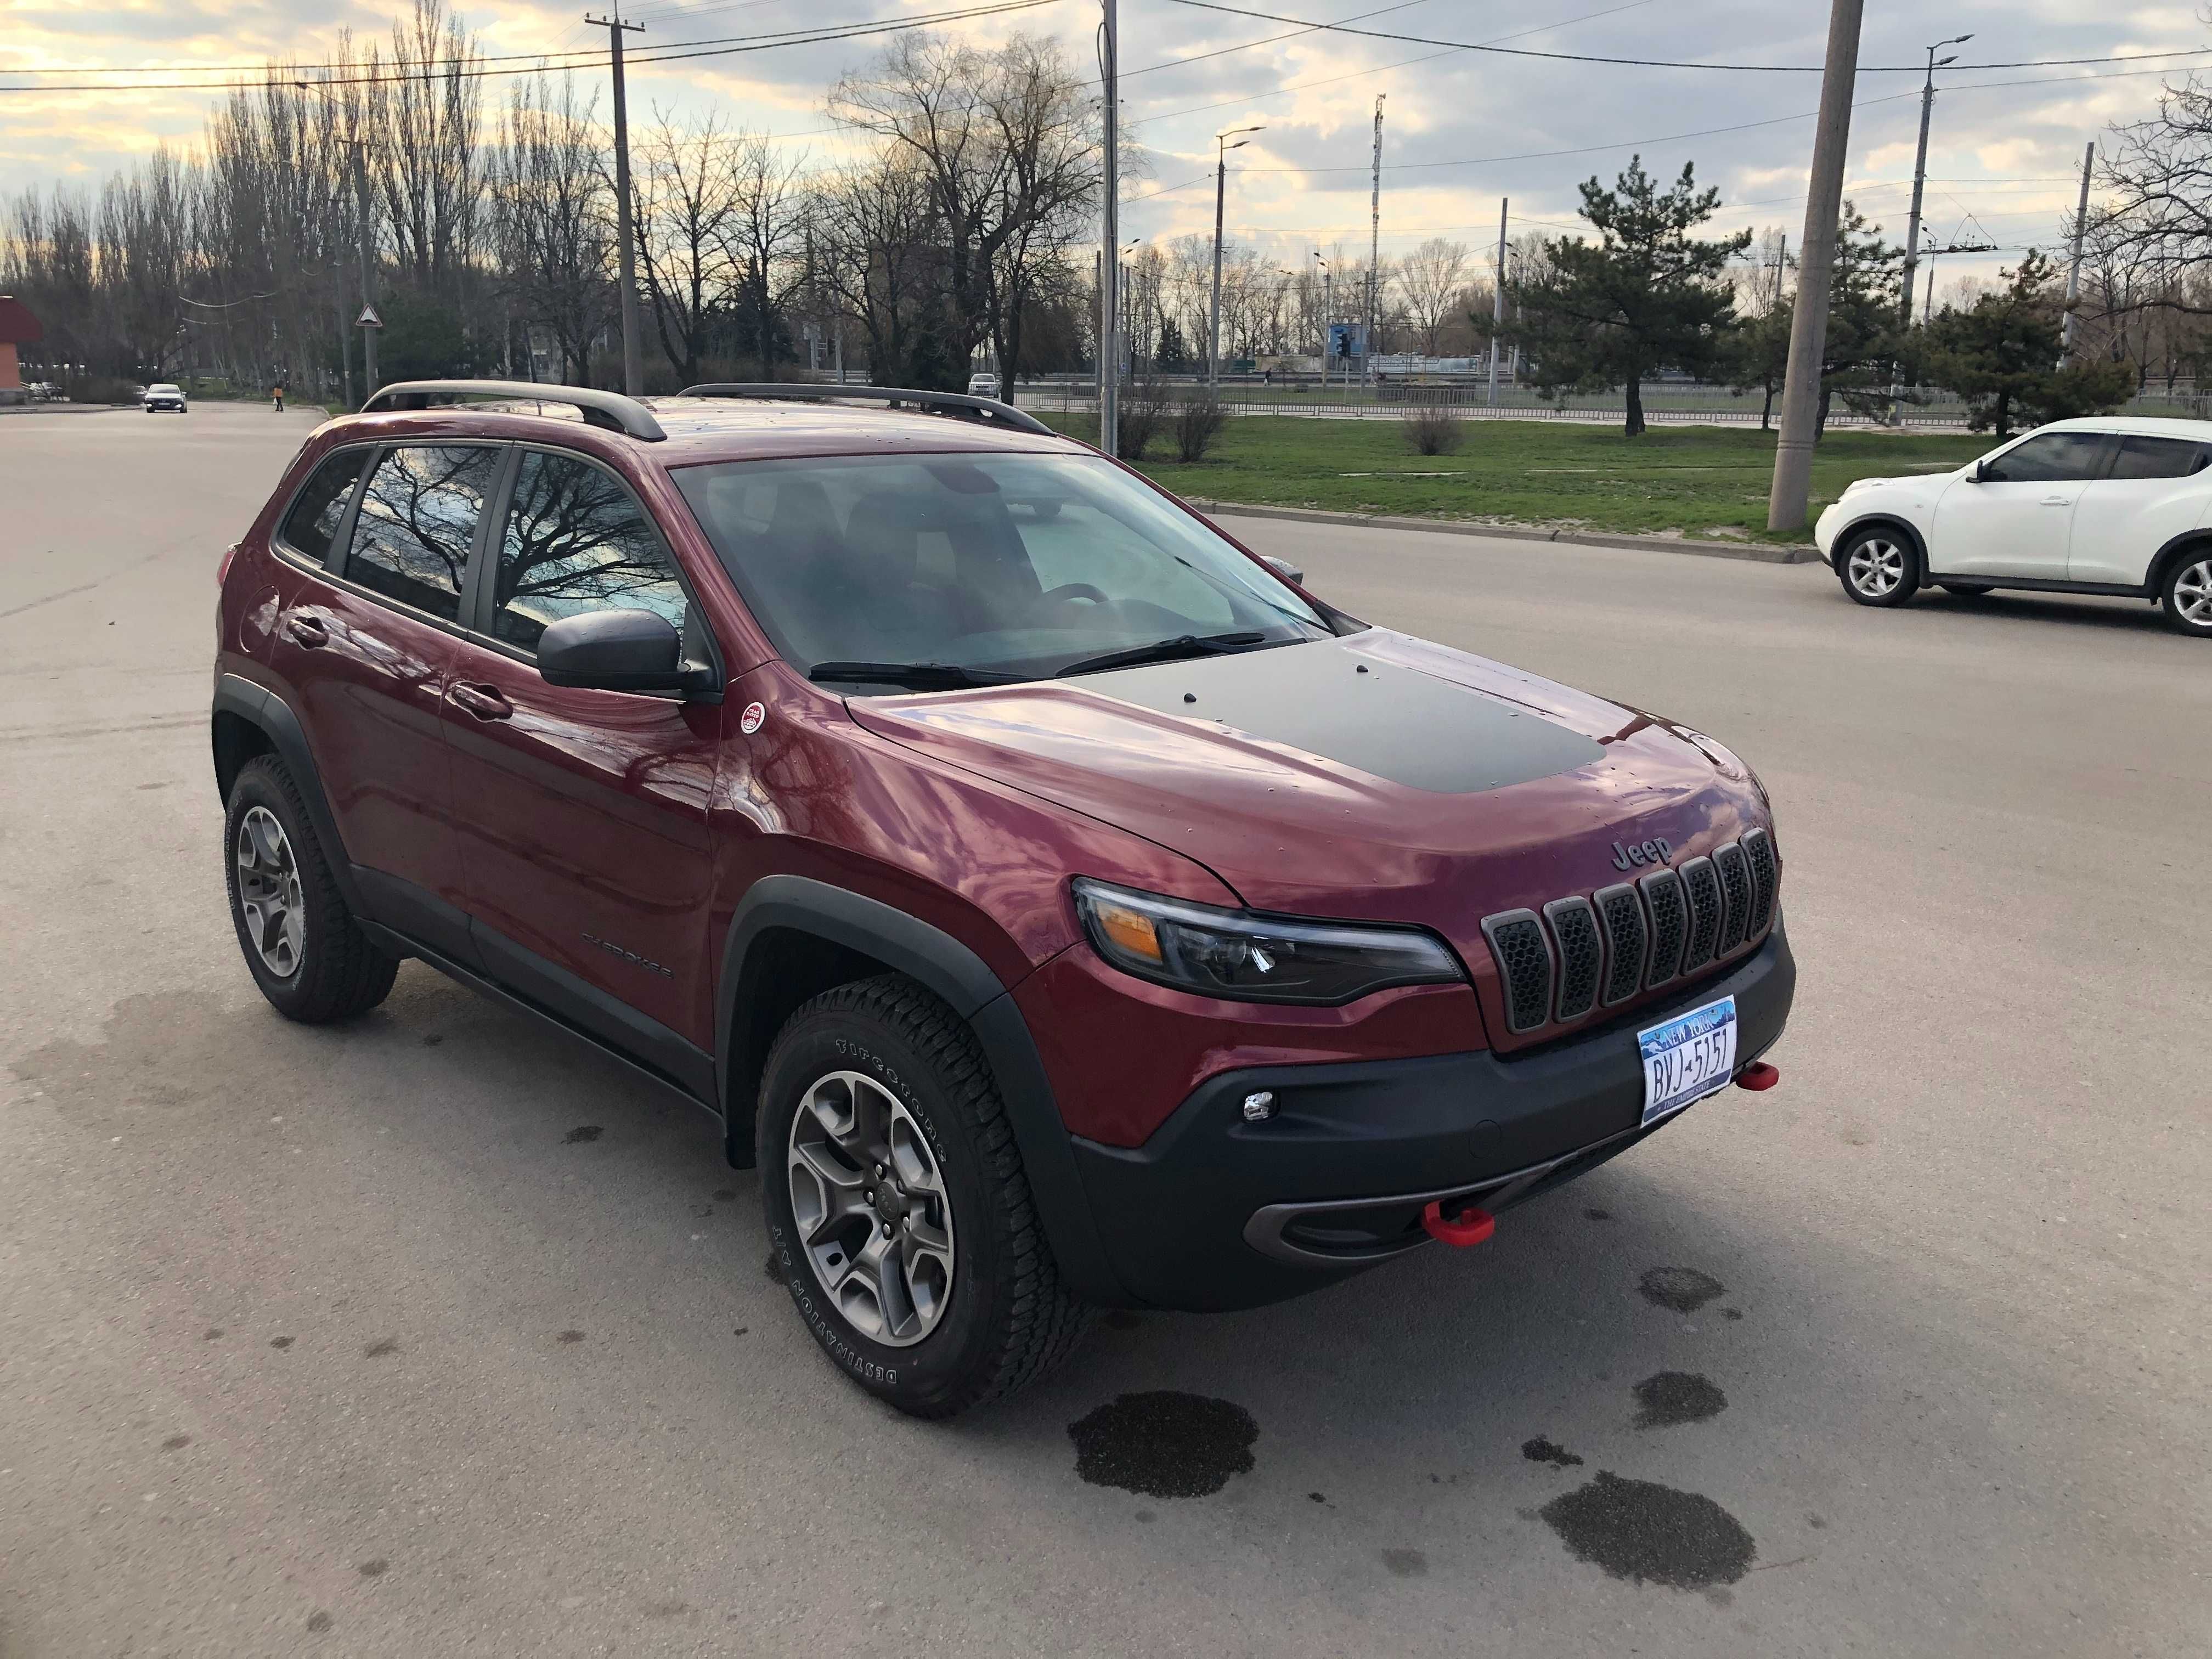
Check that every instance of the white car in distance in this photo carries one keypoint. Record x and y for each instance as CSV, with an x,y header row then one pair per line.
x,y
2121,505
982,386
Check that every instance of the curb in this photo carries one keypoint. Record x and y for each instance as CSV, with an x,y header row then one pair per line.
x,y
1749,552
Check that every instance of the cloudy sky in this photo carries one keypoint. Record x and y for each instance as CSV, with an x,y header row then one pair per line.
x,y
1462,128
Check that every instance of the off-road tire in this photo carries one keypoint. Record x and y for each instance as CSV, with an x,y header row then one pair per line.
x,y
2184,585
341,973
1008,1319
1882,548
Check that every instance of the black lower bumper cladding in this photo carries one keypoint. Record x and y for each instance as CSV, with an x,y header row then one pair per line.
x,y
1213,1212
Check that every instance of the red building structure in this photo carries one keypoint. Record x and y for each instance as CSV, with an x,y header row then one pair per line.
x,y
18,327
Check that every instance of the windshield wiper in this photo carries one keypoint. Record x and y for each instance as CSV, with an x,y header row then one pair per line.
x,y
914,675
1174,650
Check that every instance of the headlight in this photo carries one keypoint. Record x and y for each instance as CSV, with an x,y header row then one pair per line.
x,y
1246,956
1861,484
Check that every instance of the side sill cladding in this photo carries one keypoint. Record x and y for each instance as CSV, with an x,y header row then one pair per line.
x,y
270,714
866,928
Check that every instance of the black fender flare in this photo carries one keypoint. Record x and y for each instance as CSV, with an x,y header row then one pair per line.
x,y
1919,542
935,958
270,714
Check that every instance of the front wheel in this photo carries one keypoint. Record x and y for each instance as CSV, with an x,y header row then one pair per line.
x,y
2187,597
897,1209
1879,567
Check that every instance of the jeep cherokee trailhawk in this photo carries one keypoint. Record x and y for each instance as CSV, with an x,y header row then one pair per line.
x,y
1059,905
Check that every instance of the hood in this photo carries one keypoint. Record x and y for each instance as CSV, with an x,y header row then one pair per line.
x,y
1375,777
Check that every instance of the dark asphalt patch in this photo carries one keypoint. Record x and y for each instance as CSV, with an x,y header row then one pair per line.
x,y
176,1443
570,1336
1165,1444
381,1346
280,1341
375,1569
1540,1451
1685,1289
1405,1564
1670,1397
1599,1215
583,1133
1654,1534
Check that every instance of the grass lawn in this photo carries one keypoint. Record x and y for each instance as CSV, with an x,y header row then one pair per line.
x,y
1695,481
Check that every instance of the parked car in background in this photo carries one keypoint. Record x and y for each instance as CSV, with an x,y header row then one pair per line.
x,y
2114,506
1057,905
164,395
982,386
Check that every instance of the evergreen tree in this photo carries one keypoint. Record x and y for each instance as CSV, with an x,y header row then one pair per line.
x,y
1999,354
1646,295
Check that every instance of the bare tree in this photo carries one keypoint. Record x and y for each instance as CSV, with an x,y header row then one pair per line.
x,y
686,221
766,237
877,256
553,214
1431,279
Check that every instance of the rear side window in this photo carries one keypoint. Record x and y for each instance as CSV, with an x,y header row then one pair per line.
x,y
314,520
2158,457
417,519
575,542
2047,458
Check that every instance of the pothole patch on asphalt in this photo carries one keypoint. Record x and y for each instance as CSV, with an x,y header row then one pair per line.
x,y
1165,1444
1652,1534
1541,1450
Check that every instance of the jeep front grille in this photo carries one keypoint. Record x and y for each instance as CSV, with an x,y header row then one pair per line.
x,y
1581,954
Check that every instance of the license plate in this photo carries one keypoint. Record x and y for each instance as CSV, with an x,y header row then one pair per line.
x,y
1689,1057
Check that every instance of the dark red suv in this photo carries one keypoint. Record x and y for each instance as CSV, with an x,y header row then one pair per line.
x,y
1059,905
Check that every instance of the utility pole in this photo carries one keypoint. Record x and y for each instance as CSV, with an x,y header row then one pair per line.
x,y
1781,264
369,325
1110,261
1374,243
1327,314
1913,226
633,357
1220,186
2073,272
1497,299
1808,324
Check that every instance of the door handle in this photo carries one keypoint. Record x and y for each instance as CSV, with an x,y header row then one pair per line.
x,y
2058,501
307,630
483,701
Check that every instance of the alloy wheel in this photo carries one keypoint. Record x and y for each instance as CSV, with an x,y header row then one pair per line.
x,y
874,1220
1876,567
269,892
2192,594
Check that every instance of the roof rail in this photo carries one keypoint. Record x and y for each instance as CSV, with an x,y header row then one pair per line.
x,y
958,404
610,410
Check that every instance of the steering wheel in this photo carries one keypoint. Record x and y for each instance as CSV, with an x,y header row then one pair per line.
x,y
1075,591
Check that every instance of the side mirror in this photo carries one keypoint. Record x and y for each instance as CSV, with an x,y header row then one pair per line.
x,y
1980,474
616,651
1285,569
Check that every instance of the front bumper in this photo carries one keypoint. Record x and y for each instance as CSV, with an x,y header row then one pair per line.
x,y
1824,531
1213,1213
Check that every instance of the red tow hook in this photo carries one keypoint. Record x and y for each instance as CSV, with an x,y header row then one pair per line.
x,y
1758,1077
1471,1227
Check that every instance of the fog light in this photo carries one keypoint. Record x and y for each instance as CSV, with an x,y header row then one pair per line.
x,y
1259,1107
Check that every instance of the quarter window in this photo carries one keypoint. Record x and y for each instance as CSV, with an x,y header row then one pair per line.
x,y
314,520
576,541
2047,458
417,521
2158,457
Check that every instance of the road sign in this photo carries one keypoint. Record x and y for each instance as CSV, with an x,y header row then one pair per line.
x,y
368,319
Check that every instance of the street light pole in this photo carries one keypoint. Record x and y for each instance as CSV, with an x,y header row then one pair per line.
x,y
1327,314
1220,186
1920,170
367,326
2074,271
1497,299
1110,261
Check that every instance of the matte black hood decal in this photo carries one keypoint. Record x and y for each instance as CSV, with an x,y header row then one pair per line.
x,y
1333,700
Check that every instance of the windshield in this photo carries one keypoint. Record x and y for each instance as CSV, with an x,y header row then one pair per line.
x,y
1009,565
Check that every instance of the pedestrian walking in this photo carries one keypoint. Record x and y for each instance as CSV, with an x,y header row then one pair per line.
x,y
276,397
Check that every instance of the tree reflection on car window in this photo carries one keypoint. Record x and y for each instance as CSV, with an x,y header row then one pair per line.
x,y
576,542
416,521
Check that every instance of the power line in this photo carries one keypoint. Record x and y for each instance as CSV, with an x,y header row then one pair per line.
x,y
1667,62
678,52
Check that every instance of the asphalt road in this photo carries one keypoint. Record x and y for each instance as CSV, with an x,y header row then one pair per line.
x,y
344,1341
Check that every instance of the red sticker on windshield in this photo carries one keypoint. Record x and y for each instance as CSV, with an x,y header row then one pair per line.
x,y
750,721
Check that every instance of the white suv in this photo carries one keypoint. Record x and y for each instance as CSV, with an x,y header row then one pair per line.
x,y
2115,506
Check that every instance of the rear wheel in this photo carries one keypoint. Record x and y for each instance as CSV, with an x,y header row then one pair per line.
x,y
299,940
897,1205
1879,566
2187,597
